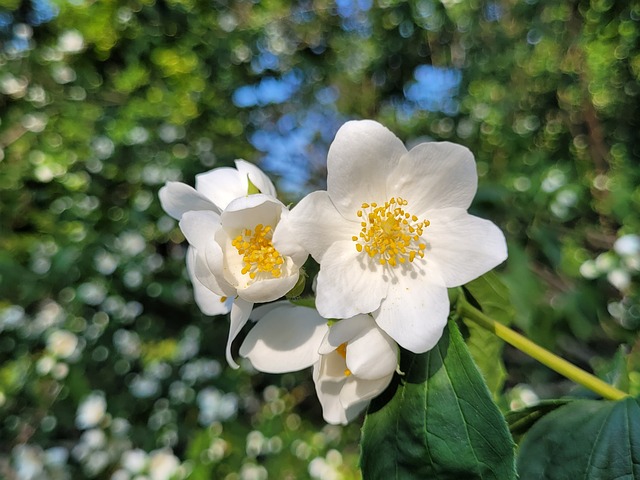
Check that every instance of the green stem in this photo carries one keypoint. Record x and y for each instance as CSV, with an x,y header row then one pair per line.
x,y
543,355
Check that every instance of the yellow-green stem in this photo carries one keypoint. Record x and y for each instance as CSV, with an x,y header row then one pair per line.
x,y
543,355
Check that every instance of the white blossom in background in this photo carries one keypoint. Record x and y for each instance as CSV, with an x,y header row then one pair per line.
x,y
231,221
62,343
91,411
71,41
163,465
134,461
392,232
28,462
353,360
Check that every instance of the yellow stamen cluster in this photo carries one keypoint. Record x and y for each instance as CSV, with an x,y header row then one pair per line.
x,y
342,351
389,233
258,253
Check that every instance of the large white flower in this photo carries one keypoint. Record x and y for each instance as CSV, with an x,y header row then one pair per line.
x,y
353,360
392,232
231,260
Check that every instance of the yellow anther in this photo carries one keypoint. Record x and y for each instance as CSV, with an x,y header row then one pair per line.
x,y
258,253
390,234
223,299
342,351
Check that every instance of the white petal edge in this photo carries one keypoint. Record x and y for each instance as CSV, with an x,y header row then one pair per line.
x,y
462,246
286,243
225,184
372,354
286,339
257,177
177,198
247,212
414,313
359,161
435,175
315,224
209,302
268,289
329,396
344,331
240,312
200,227
357,390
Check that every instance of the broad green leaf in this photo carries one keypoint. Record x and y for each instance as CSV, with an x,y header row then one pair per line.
x,y
586,439
492,296
520,421
437,421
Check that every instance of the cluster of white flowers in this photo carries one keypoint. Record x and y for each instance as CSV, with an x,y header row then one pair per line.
x,y
390,234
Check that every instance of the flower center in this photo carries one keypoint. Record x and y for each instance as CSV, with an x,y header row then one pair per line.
x,y
258,253
389,233
342,351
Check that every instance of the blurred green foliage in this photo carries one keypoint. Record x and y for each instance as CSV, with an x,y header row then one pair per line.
x,y
102,102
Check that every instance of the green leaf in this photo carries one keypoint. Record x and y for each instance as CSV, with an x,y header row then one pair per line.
x,y
252,189
520,421
586,439
437,421
492,297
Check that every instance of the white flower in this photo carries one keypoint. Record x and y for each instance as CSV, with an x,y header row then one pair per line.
x,y
353,360
232,260
62,343
214,190
92,411
163,465
392,232
356,364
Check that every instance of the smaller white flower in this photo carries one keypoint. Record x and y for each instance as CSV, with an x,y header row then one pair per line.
x,y
233,255
231,221
357,363
91,411
353,360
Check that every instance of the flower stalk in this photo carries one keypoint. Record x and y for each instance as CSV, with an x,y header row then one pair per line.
x,y
541,354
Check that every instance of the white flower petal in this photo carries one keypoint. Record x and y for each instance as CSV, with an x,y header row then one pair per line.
x,y
257,177
358,163
414,313
239,316
268,289
329,395
357,391
372,354
285,340
223,185
315,224
177,198
435,175
286,242
463,246
247,212
207,300
346,330
199,227
260,311
348,283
